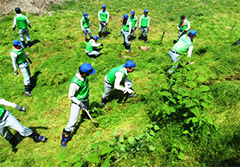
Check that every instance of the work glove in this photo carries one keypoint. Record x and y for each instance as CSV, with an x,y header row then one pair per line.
x,y
13,28
83,31
29,26
101,44
16,73
21,108
82,106
29,60
130,91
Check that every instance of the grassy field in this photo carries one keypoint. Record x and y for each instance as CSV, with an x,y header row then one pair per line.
x,y
158,138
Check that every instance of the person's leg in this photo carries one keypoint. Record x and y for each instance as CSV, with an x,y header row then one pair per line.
x,y
21,33
94,53
125,37
107,90
175,58
100,30
146,33
141,33
74,114
24,67
26,31
85,34
104,31
89,32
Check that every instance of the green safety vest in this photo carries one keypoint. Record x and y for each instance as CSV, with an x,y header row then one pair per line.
x,y
144,21
1,111
103,15
89,47
21,22
183,44
111,75
83,91
185,25
20,56
126,27
85,22
133,20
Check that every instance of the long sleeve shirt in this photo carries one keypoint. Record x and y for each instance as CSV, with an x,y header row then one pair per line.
x,y
81,21
188,27
100,18
73,89
7,103
15,21
190,49
14,58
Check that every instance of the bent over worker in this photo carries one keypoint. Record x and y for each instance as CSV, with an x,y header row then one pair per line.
x,y
184,44
103,17
144,22
117,77
19,57
126,30
85,25
183,26
22,23
8,120
78,94
91,48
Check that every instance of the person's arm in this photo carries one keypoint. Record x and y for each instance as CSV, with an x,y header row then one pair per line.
x,y
71,94
14,62
190,49
14,23
28,22
188,26
99,16
81,24
148,22
117,82
94,44
130,27
7,103
136,23
107,17
140,20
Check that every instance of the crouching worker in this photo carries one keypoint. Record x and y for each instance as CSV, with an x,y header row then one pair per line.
x,y
117,76
91,49
78,94
8,120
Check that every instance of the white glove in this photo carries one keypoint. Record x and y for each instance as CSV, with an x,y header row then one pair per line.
x,y
130,91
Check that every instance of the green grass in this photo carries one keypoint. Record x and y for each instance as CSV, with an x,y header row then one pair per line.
x,y
62,50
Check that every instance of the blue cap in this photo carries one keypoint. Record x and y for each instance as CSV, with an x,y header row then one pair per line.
x,y
145,11
192,32
130,64
96,37
103,6
132,13
87,68
85,14
17,42
125,16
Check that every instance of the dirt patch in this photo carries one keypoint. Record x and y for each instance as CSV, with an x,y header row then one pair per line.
x,y
28,6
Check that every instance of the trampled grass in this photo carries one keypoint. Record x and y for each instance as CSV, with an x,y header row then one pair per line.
x,y
61,50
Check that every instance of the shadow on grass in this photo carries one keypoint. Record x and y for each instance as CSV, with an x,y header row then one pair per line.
x,y
34,42
34,80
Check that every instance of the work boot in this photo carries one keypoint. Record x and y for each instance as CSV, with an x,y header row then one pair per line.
x,y
27,91
29,44
103,102
14,142
24,44
37,137
65,138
